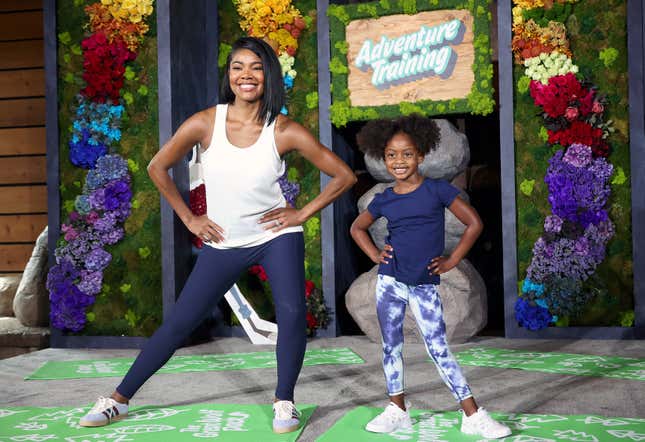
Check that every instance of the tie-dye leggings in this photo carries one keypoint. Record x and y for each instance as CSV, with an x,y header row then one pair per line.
x,y
392,297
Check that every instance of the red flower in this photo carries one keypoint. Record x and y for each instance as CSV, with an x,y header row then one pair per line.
x,y
583,133
259,271
311,321
103,67
197,202
562,92
309,287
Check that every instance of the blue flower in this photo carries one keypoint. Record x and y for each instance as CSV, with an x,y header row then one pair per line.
x,y
532,317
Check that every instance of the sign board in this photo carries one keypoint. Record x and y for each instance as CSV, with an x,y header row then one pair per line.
x,y
396,58
427,56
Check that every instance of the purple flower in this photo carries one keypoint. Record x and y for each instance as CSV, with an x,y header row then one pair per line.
x,y
113,236
97,259
578,155
116,194
90,282
290,190
576,191
553,224
108,168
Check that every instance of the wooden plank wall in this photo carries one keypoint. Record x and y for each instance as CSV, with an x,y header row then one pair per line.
x,y
23,192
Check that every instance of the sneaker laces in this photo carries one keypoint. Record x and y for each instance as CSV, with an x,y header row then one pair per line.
x,y
394,413
286,408
101,405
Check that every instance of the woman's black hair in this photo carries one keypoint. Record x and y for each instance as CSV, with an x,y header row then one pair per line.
x,y
274,97
375,135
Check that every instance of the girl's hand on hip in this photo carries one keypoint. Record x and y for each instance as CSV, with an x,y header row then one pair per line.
x,y
385,254
440,265
278,219
204,228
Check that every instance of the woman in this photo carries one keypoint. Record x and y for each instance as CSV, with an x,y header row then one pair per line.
x,y
247,221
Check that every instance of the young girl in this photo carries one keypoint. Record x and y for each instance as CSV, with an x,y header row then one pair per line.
x,y
411,262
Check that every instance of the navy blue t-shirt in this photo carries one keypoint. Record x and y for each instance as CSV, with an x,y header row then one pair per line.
x,y
415,222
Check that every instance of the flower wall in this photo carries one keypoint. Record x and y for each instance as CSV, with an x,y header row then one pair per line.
x,y
291,29
107,277
572,157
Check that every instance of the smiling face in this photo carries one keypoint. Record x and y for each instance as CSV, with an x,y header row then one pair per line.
x,y
402,158
246,75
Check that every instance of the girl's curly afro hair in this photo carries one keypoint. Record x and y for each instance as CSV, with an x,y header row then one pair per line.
x,y
375,135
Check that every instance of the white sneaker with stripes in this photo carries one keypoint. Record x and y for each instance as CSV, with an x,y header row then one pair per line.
x,y
286,418
105,411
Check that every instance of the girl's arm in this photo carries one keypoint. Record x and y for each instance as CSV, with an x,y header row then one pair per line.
x,y
358,230
195,129
292,136
468,216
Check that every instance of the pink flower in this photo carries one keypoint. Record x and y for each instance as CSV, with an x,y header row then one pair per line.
x,y
571,113
92,217
597,107
70,233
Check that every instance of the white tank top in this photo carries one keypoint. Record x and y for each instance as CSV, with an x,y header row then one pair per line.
x,y
242,185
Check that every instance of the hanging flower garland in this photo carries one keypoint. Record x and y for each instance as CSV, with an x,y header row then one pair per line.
x,y
117,28
577,231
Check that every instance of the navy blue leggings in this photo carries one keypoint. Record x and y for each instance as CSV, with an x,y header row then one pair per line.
x,y
214,273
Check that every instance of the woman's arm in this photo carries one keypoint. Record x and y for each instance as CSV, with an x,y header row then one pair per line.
x,y
292,136
359,232
468,216
195,129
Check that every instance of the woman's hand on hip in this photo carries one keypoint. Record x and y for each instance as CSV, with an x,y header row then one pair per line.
x,y
204,228
278,219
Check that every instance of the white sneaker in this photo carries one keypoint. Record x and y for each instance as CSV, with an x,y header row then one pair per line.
x,y
105,410
286,418
392,419
483,425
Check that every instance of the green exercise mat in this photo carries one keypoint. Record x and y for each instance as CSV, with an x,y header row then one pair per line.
x,y
442,426
224,422
98,368
563,363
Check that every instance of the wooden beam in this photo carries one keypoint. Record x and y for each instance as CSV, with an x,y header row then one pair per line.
x,y
23,170
21,25
24,83
22,141
22,54
21,228
23,199
22,112
14,257
20,5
